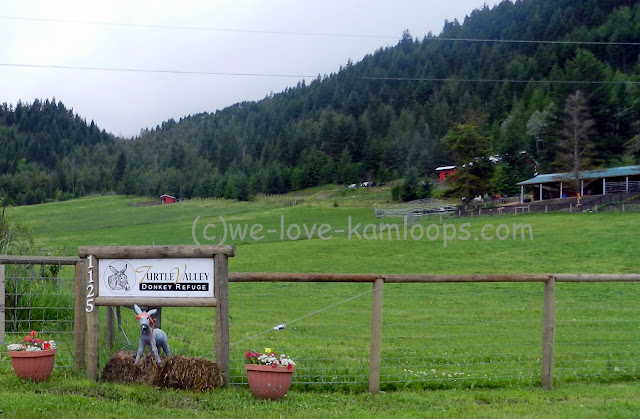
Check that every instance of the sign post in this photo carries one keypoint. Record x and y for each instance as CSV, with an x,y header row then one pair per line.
x,y
158,276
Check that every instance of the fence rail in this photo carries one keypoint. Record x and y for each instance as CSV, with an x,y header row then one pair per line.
x,y
375,355
447,333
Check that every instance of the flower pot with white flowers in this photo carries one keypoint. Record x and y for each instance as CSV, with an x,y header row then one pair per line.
x,y
269,375
33,358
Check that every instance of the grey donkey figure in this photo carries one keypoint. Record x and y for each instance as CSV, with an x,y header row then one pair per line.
x,y
150,336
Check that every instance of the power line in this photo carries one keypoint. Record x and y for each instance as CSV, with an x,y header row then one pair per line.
x,y
303,76
195,28
318,34
140,70
451,80
525,41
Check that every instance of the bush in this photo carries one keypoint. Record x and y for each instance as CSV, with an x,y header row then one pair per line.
x,y
396,193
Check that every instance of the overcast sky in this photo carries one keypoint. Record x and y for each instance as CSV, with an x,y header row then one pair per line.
x,y
276,37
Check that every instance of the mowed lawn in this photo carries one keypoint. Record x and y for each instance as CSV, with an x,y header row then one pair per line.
x,y
439,336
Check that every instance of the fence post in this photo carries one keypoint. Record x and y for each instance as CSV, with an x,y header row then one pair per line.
x,y
2,306
221,292
79,316
92,323
375,351
548,332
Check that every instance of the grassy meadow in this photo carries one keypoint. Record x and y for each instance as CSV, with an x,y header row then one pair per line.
x,y
478,344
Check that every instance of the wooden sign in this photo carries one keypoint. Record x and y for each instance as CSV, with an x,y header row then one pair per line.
x,y
161,278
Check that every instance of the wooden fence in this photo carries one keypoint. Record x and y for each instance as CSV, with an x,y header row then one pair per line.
x,y
377,281
79,315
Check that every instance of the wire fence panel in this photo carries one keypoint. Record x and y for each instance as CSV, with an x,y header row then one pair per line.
x,y
597,331
324,327
40,299
461,335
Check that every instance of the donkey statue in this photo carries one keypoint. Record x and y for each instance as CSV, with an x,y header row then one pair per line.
x,y
150,336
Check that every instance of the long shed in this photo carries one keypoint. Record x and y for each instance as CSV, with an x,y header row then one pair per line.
x,y
592,182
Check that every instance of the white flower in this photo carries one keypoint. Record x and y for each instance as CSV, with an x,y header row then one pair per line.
x,y
15,347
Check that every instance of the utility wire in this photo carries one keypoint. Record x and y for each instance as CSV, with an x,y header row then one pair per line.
x,y
319,34
196,28
140,70
302,76
526,41
498,80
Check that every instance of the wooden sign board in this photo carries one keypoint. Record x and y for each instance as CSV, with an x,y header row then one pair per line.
x,y
162,278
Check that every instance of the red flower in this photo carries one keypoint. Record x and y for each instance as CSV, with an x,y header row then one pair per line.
x,y
27,339
289,366
39,341
47,345
33,333
248,355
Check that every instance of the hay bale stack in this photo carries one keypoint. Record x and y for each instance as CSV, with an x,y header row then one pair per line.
x,y
180,372
183,372
120,368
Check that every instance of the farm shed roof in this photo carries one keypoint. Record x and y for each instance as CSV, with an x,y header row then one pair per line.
x,y
587,174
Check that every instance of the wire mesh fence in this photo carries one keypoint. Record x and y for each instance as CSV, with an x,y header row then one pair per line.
x,y
40,298
435,335
439,335
461,335
324,327
597,331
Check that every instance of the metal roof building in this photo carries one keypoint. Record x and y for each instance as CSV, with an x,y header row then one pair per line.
x,y
616,179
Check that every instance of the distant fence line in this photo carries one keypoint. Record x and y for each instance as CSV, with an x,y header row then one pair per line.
x,y
378,281
539,208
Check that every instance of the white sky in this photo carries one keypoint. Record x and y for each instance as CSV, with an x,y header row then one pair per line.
x,y
126,102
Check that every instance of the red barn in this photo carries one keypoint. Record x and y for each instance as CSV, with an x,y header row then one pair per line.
x,y
167,199
444,172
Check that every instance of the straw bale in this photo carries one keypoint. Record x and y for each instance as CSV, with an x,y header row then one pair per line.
x,y
180,372
120,368
195,374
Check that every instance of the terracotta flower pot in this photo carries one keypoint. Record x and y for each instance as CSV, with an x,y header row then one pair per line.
x,y
35,365
267,382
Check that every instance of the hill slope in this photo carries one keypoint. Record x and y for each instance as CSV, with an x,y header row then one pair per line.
x,y
480,87
368,121
47,151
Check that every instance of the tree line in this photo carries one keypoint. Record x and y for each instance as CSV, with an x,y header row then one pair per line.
x,y
497,110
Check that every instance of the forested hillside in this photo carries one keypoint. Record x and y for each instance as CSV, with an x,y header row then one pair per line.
x,y
503,82
48,152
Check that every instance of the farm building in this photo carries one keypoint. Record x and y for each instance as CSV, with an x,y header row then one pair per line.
x,y
444,172
167,199
592,182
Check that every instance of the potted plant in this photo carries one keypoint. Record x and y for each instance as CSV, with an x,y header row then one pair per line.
x,y
269,375
33,358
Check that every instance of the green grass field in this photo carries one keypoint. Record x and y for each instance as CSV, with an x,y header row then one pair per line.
x,y
480,344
